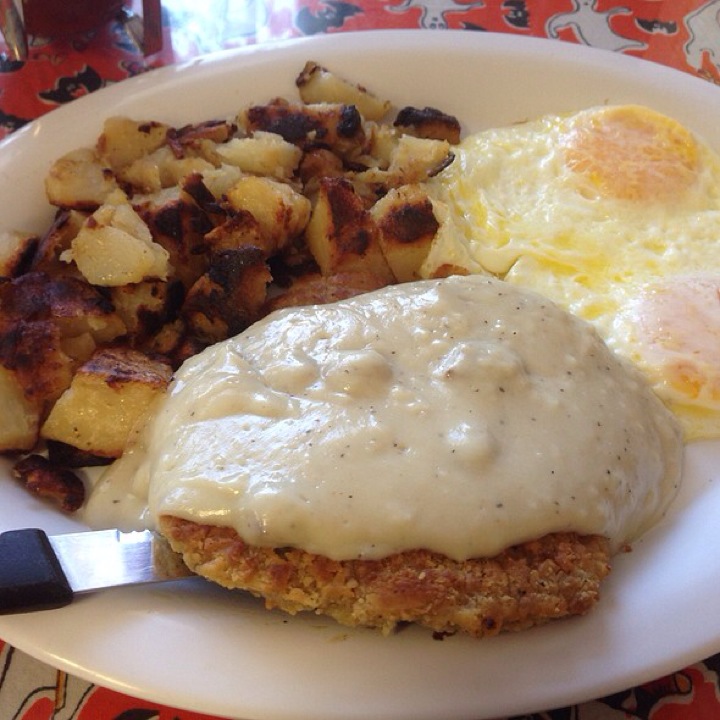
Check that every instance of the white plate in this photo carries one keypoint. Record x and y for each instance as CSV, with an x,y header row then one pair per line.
x,y
200,648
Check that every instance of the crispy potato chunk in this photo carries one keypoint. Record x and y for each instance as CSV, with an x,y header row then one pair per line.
x,y
407,225
262,154
51,482
179,225
342,235
34,371
79,180
188,136
217,181
161,169
20,415
146,307
383,141
56,241
331,125
144,174
61,315
115,247
318,163
185,346
317,84
60,454
240,230
412,160
281,212
16,250
35,352
417,159
229,297
200,140
124,140
72,306
169,342
108,396
428,123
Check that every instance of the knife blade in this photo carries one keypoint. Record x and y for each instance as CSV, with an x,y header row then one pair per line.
x,y
41,572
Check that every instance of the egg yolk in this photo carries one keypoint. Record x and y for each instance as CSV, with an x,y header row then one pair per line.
x,y
676,326
632,153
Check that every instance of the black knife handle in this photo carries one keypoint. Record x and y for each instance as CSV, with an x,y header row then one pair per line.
x,y
31,577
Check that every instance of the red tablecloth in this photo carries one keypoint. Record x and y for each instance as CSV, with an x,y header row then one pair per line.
x,y
681,33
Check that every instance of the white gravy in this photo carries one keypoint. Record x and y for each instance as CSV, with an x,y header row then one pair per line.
x,y
462,416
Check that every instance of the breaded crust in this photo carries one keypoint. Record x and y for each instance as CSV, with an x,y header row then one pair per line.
x,y
553,577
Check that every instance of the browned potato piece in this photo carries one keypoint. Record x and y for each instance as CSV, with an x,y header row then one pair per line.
x,y
60,454
383,141
229,297
216,183
79,180
342,235
56,241
428,123
179,225
70,304
335,126
200,139
240,230
16,250
195,190
107,398
173,342
407,225
281,212
417,159
318,163
20,415
317,84
262,154
51,482
412,160
161,169
34,371
115,246
124,140
147,306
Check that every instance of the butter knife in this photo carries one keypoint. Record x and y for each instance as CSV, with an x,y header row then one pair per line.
x,y
39,572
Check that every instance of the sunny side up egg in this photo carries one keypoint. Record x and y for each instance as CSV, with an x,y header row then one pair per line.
x,y
613,213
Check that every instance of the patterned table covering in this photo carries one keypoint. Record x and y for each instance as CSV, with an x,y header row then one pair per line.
x,y
684,34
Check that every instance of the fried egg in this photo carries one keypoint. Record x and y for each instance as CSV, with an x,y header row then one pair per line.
x,y
614,213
